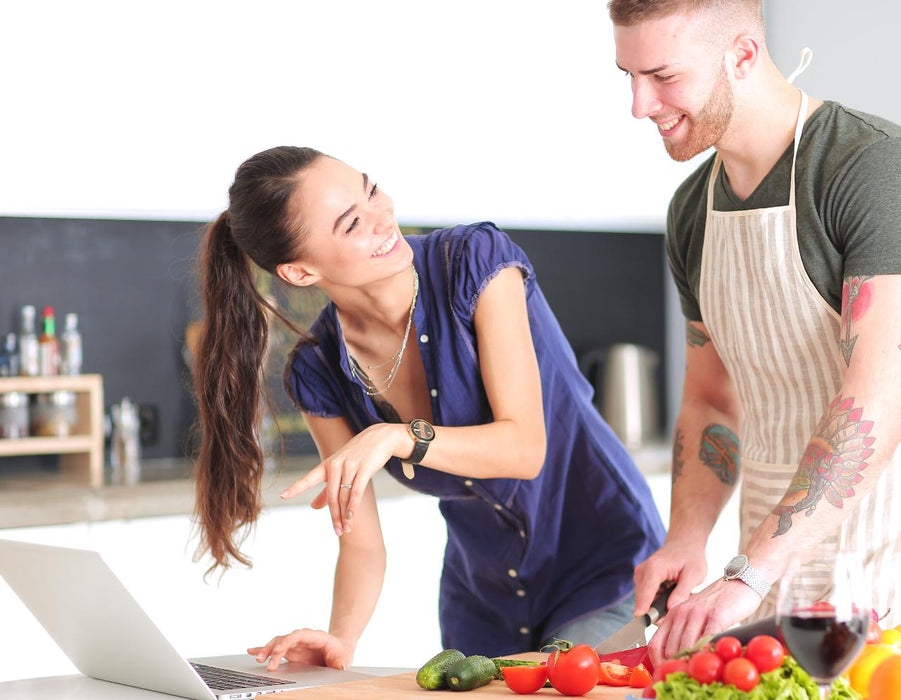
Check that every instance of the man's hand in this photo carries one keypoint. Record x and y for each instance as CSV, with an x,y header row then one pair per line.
x,y
718,607
684,564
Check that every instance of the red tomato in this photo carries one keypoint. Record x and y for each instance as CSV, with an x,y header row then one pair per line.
x,y
728,648
705,667
741,673
765,652
649,692
639,678
524,679
614,674
575,671
670,666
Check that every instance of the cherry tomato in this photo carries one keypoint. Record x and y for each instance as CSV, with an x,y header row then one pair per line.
x,y
525,679
670,666
765,652
741,673
705,667
614,674
874,633
728,648
574,671
649,692
639,678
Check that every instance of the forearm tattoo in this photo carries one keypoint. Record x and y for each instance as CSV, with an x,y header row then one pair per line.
x,y
695,336
857,295
719,452
832,463
678,446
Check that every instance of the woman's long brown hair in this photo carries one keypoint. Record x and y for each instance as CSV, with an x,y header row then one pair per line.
x,y
256,230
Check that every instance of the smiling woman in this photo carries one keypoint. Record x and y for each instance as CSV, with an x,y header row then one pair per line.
x,y
437,360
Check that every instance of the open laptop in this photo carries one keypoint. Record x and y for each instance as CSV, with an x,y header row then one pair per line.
x,y
102,629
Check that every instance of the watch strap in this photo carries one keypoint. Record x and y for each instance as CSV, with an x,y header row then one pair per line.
x,y
419,449
748,575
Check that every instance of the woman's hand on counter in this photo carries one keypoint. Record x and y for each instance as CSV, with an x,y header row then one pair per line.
x,y
306,646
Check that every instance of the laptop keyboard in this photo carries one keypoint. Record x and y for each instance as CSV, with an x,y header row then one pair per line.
x,y
226,679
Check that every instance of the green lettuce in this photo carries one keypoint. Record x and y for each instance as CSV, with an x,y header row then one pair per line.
x,y
788,682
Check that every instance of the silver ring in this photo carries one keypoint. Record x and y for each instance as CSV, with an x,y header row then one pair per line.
x,y
347,486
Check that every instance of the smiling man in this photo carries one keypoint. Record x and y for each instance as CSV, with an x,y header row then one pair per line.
x,y
785,245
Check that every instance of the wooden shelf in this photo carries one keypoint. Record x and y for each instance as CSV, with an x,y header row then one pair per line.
x,y
82,451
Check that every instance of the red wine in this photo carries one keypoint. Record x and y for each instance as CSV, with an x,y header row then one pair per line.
x,y
823,645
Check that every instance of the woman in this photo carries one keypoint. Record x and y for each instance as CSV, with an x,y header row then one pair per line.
x,y
439,360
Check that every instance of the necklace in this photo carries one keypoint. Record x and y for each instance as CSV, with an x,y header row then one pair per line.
x,y
369,384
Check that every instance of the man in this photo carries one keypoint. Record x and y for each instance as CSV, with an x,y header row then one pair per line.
x,y
786,249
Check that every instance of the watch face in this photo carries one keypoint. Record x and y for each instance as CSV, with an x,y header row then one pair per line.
x,y
422,430
736,565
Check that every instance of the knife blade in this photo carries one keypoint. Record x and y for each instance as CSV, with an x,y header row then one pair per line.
x,y
631,634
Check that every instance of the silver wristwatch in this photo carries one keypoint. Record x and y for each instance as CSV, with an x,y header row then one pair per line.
x,y
740,569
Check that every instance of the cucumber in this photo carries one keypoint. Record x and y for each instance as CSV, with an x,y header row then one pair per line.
x,y
432,674
507,663
471,672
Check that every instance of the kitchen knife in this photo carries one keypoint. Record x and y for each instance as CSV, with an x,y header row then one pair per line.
x,y
631,634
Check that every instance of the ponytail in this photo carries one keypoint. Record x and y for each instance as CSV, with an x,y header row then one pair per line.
x,y
257,231
228,380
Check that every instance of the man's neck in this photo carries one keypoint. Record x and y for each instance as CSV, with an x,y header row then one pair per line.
x,y
763,126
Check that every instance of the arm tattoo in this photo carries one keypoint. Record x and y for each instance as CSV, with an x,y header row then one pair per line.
x,y
695,336
719,452
856,298
831,465
678,446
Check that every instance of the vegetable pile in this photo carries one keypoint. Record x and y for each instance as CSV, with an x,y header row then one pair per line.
x,y
727,671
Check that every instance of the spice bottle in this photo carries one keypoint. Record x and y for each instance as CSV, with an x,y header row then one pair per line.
x,y
29,357
71,353
9,357
48,344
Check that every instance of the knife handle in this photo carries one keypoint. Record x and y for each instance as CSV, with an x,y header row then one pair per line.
x,y
658,607
744,633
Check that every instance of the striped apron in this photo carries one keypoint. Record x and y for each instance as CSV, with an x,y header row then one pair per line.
x,y
779,341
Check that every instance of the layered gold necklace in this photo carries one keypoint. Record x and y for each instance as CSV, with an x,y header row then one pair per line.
x,y
371,384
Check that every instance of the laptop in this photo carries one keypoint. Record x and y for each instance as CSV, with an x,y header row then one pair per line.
x,y
105,633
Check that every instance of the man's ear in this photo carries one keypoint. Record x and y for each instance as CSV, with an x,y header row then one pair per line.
x,y
297,275
745,52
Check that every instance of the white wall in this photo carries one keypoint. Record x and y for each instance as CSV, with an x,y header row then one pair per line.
x,y
854,49
510,110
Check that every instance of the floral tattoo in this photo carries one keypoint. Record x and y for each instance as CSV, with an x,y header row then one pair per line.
x,y
831,465
719,452
856,298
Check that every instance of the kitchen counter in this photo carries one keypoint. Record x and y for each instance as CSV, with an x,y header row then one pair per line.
x,y
165,488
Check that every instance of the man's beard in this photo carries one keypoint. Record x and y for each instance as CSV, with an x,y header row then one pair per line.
x,y
709,125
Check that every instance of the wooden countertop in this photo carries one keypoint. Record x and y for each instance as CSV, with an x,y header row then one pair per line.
x,y
400,686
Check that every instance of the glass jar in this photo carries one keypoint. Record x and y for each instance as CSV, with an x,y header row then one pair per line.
x,y
13,415
54,414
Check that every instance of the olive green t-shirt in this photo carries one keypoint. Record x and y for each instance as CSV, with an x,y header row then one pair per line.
x,y
847,196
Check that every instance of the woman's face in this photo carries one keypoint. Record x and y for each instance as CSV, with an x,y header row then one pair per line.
x,y
352,234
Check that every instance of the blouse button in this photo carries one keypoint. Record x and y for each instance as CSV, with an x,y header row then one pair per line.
x,y
434,392
512,573
468,482
521,593
498,506
522,533
423,338
523,630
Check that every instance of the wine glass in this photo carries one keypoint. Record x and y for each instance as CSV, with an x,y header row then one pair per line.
x,y
823,614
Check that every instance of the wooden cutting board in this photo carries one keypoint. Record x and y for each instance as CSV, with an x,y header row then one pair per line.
x,y
404,686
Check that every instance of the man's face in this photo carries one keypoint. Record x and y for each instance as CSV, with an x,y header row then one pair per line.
x,y
679,81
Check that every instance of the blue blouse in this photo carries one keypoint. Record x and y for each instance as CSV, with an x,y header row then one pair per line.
x,y
523,557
